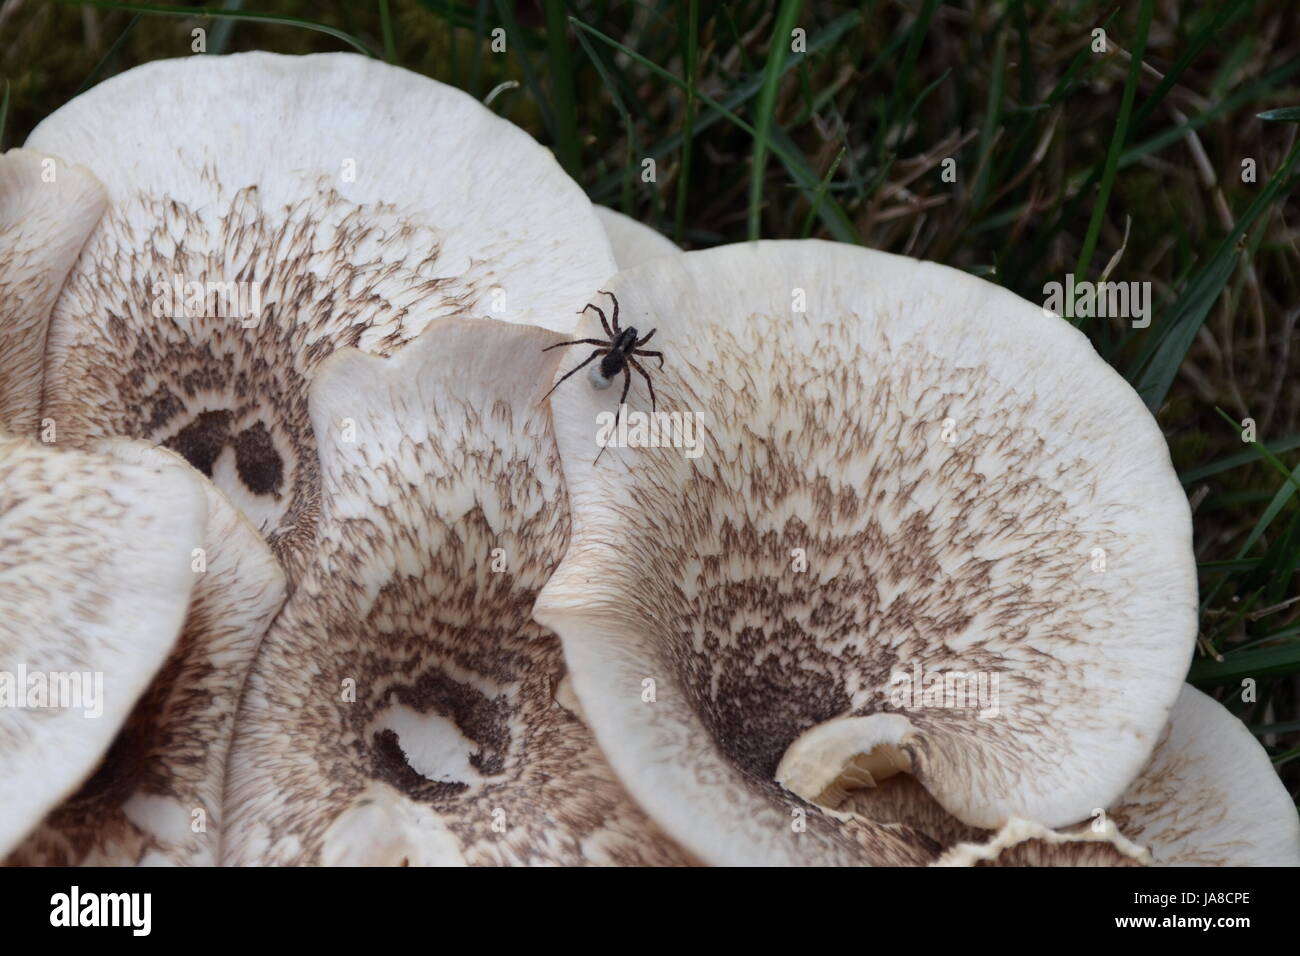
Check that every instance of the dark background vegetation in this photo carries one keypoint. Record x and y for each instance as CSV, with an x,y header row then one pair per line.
x,y
1067,161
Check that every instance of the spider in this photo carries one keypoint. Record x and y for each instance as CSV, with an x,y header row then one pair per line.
x,y
618,355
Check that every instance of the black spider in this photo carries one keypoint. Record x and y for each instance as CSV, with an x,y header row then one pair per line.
x,y
618,355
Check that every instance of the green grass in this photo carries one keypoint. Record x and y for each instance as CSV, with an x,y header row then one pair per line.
x,y
1058,150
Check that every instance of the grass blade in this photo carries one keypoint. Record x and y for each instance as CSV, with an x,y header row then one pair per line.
x,y
218,14
563,103
219,35
1191,308
1193,475
915,34
515,40
1264,662
107,58
821,193
746,91
628,126
1116,143
386,27
832,214
688,17
776,56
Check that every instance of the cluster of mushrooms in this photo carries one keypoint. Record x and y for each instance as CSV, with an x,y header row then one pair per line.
x,y
360,594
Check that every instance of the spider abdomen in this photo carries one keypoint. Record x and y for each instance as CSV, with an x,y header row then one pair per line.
x,y
596,375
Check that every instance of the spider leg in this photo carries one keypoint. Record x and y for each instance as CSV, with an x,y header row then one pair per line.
x,y
627,383
615,298
645,375
658,355
560,345
604,323
572,370
647,337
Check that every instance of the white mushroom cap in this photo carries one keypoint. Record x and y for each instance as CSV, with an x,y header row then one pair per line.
x,y
1209,796
157,797
405,708
633,242
47,209
95,578
947,459
402,201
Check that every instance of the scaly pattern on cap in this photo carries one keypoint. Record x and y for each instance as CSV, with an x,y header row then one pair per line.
x,y
404,707
947,461
405,201
95,575
157,797
47,209
1209,795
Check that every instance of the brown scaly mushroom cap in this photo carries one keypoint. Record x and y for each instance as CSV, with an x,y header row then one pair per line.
x,y
1209,795
902,467
95,574
411,203
157,795
47,209
404,707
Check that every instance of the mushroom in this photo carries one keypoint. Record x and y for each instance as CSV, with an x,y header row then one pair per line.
x,y
329,238
157,795
633,242
95,574
907,475
887,499
404,707
47,209
315,230
1209,795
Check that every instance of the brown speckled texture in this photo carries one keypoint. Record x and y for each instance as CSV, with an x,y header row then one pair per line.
x,y
233,399
47,209
1209,795
157,794
356,233
452,459
825,433
95,573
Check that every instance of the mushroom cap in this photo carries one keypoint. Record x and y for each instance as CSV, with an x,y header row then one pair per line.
x,y
1024,843
945,457
157,796
1209,795
405,708
633,242
403,201
47,209
96,580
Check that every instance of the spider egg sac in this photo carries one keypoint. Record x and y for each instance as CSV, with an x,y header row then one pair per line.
x,y
597,379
